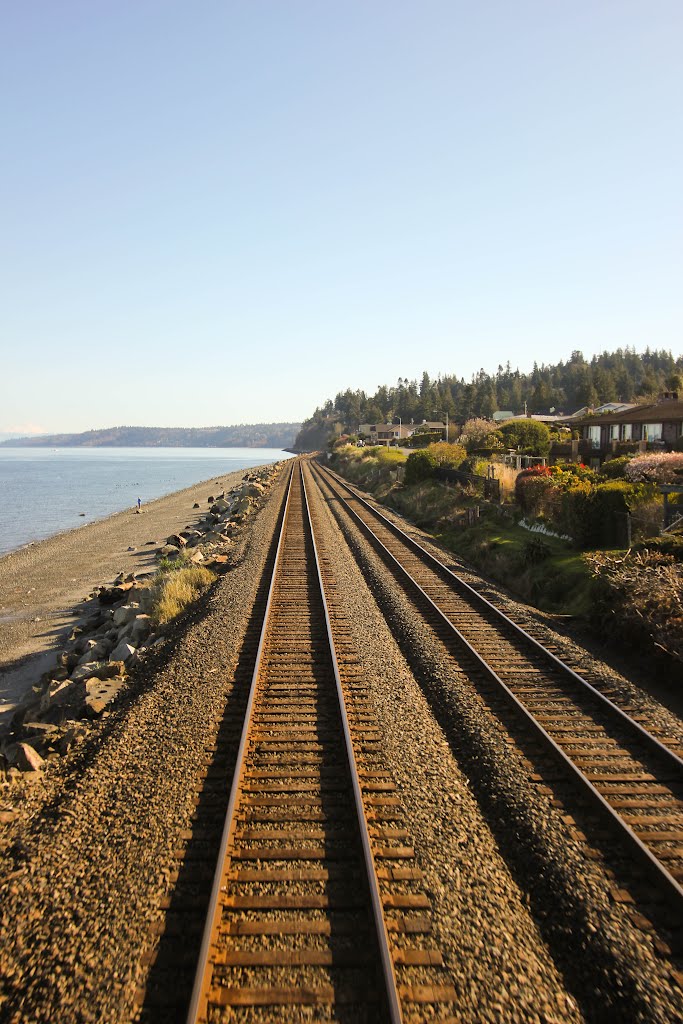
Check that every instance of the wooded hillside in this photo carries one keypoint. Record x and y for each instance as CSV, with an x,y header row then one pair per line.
x,y
244,435
623,375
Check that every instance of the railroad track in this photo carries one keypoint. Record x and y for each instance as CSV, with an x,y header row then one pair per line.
x,y
632,778
315,895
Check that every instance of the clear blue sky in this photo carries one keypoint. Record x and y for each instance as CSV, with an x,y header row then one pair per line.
x,y
225,212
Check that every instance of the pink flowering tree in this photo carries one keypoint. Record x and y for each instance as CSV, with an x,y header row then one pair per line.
x,y
657,467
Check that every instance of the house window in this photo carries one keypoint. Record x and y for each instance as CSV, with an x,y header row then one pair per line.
x,y
614,432
652,432
594,436
626,431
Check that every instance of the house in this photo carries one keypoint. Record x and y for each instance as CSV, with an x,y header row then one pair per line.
x,y
394,433
603,435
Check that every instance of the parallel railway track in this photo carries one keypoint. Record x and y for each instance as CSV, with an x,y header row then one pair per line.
x,y
315,896
633,779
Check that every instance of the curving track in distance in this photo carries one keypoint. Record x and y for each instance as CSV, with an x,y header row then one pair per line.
x,y
312,897
631,777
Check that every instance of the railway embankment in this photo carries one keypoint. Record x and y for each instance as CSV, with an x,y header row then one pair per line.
x,y
626,602
101,904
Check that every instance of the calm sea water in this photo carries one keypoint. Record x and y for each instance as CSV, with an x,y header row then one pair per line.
x,y
44,491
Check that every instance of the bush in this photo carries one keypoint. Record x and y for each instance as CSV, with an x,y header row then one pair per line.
x,y
615,469
535,551
479,433
419,466
531,492
448,456
530,437
595,516
667,544
659,467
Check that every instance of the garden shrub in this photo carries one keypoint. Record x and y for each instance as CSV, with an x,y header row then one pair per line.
x,y
420,465
480,433
530,437
448,456
595,516
657,467
615,469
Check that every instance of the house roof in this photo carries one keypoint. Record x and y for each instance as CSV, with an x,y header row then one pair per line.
x,y
657,412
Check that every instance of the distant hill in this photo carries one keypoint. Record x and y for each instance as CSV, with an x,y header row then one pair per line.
x,y
244,435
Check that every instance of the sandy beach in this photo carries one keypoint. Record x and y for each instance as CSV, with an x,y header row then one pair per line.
x,y
43,584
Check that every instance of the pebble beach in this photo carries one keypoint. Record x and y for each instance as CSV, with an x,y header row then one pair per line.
x,y
43,584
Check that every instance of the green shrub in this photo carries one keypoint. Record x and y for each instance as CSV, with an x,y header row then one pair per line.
x,y
531,493
448,456
530,437
613,469
595,516
536,550
420,465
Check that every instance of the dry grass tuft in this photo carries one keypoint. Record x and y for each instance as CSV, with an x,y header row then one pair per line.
x,y
176,590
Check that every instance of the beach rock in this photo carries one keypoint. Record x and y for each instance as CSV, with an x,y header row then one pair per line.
x,y
176,540
123,652
68,660
124,614
28,759
110,595
219,507
210,499
196,555
140,627
82,672
169,551
68,693
97,652
196,505
100,692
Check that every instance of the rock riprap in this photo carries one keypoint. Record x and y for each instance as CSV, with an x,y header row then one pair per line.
x,y
112,637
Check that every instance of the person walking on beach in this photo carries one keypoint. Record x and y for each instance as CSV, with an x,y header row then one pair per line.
x,y
139,504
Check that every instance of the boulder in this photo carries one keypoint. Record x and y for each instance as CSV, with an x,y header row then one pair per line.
x,y
196,505
82,672
110,595
176,540
140,627
123,652
28,759
196,555
126,613
169,551
100,692
98,652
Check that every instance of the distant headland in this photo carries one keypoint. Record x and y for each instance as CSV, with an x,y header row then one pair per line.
x,y
243,435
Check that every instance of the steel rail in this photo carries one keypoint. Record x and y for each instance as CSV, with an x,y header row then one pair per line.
x,y
197,1009
198,1004
647,859
389,974
675,761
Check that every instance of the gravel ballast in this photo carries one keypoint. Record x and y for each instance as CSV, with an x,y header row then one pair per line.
x,y
609,967
87,850
524,920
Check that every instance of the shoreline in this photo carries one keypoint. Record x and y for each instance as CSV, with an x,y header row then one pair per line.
x,y
44,583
